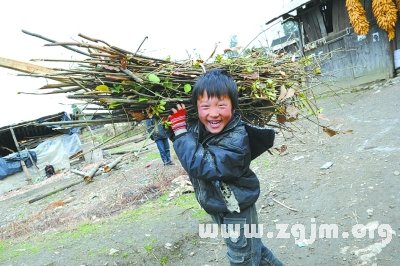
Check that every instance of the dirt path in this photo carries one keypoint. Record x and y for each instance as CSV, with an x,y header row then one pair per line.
x,y
359,189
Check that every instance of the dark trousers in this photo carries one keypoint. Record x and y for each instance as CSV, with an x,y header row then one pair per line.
x,y
241,250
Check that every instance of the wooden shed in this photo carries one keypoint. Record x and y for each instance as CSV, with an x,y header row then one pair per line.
x,y
346,59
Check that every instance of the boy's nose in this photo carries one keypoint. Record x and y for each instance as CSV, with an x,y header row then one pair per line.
x,y
214,112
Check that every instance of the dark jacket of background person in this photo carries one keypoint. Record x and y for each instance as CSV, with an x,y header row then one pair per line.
x,y
156,129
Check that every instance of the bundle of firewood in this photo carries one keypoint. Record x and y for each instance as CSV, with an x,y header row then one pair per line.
x,y
272,88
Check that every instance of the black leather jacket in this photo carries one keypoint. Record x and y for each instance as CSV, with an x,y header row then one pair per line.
x,y
210,159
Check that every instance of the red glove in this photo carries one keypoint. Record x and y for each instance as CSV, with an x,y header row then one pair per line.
x,y
178,121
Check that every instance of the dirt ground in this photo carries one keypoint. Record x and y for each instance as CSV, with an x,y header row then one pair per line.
x,y
343,190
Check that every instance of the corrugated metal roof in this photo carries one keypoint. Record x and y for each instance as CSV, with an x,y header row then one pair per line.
x,y
26,131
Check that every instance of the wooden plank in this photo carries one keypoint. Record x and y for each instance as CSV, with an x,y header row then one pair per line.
x,y
24,67
28,68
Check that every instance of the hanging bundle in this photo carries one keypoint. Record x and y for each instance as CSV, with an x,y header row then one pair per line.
x,y
398,5
358,17
385,13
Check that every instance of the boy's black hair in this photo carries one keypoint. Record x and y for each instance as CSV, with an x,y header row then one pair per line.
x,y
217,83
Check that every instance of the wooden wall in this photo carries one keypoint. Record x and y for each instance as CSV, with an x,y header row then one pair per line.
x,y
345,55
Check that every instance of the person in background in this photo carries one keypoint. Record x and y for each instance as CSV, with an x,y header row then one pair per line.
x,y
216,151
158,134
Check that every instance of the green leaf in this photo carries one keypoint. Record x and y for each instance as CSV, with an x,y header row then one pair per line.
x,y
162,102
117,88
219,58
168,84
113,105
187,88
153,78
102,88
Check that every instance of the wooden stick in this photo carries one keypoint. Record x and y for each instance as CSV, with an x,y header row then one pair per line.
x,y
135,140
280,203
23,165
53,41
55,191
81,173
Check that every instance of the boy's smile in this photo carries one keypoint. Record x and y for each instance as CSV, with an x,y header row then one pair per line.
x,y
214,113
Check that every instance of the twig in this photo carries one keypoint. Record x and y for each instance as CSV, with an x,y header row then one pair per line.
x,y
53,41
280,203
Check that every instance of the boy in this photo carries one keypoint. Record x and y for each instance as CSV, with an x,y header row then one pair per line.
x,y
216,153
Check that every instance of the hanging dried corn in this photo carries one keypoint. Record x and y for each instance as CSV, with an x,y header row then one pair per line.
x,y
398,5
358,17
385,13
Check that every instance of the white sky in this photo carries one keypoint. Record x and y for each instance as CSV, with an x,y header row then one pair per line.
x,y
173,27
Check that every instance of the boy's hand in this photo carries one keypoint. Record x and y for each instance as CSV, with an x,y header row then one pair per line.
x,y
178,119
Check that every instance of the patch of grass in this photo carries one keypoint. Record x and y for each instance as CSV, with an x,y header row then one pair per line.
x,y
185,201
188,201
87,228
8,251
151,242
125,255
136,214
151,207
164,260
3,248
82,230
149,248
152,156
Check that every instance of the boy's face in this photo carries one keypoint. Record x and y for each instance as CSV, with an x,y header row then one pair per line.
x,y
214,113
